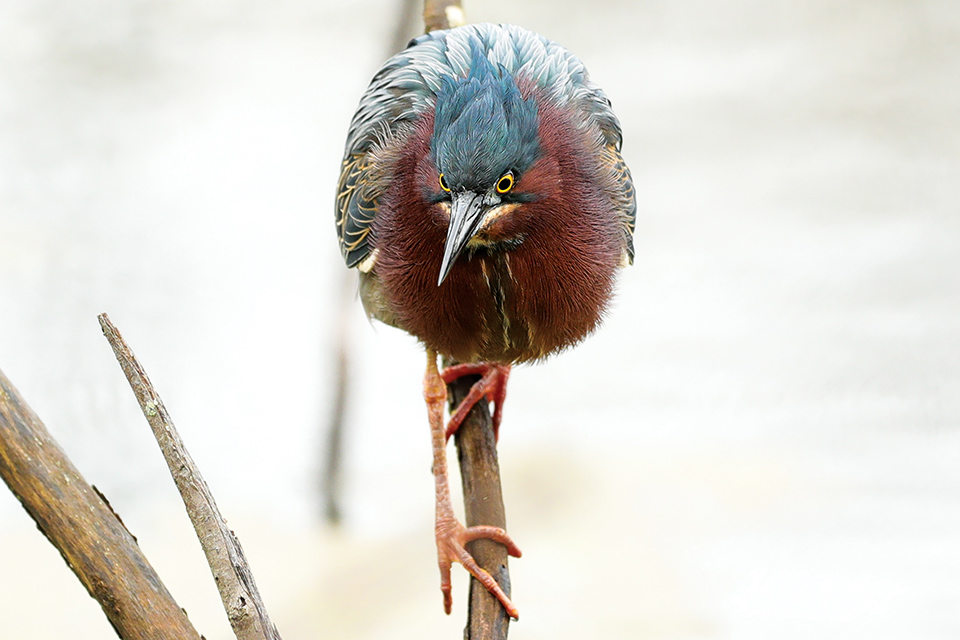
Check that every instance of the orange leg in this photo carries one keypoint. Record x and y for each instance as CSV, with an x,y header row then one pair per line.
x,y
451,535
492,385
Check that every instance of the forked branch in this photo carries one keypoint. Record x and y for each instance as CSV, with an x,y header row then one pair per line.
x,y
79,522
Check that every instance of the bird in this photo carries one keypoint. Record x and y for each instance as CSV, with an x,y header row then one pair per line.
x,y
484,200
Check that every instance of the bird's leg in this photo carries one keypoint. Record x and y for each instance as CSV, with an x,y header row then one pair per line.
x,y
492,384
451,535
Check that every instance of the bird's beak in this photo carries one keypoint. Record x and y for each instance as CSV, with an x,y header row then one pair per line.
x,y
466,214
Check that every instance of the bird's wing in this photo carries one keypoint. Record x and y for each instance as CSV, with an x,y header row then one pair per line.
x,y
568,81
565,79
397,95
356,206
624,195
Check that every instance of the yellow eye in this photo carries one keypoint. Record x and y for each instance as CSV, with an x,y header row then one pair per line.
x,y
443,184
505,183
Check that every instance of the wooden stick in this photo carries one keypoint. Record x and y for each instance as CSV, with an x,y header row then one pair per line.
x,y
483,504
229,566
331,481
79,522
442,14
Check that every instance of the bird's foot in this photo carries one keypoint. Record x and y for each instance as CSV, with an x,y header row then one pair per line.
x,y
492,385
452,538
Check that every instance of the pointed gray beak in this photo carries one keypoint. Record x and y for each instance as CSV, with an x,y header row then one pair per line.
x,y
466,214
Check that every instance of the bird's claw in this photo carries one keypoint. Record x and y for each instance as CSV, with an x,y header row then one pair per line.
x,y
452,538
492,386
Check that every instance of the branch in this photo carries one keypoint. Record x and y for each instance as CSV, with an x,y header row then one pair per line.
x,y
79,522
229,566
331,481
483,504
442,14
332,457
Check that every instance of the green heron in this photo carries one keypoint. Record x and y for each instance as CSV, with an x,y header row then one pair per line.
x,y
485,203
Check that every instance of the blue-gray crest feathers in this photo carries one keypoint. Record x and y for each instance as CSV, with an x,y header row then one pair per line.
x,y
483,126
408,83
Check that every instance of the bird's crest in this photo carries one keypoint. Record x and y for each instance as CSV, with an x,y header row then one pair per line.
x,y
483,125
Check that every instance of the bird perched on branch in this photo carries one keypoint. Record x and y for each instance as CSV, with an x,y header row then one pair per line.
x,y
485,203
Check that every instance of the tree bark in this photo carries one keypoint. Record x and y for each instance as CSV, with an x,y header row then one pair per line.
x,y
442,14
80,523
483,505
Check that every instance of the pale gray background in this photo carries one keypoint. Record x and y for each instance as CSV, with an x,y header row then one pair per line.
x,y
762,442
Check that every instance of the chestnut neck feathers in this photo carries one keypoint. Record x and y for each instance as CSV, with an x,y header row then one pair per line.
x,y
504,304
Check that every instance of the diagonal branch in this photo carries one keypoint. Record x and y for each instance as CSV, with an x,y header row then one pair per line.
x,y
79,522
229,566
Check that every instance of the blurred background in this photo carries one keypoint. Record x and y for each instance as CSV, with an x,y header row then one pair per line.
x,y
763,441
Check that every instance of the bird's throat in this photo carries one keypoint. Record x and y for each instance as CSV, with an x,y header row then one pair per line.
x,y
496,230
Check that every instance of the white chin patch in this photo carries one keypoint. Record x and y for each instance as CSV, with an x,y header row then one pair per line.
x,y
496,213
483,238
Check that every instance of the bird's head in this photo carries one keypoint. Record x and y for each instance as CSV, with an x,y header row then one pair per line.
x,y
485,137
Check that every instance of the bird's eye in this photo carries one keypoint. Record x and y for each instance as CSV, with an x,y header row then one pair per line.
x,y
505,183
443,184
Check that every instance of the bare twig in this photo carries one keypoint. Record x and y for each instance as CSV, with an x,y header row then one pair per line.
x,y
229,566
330,475
79,522
442,14
483,505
